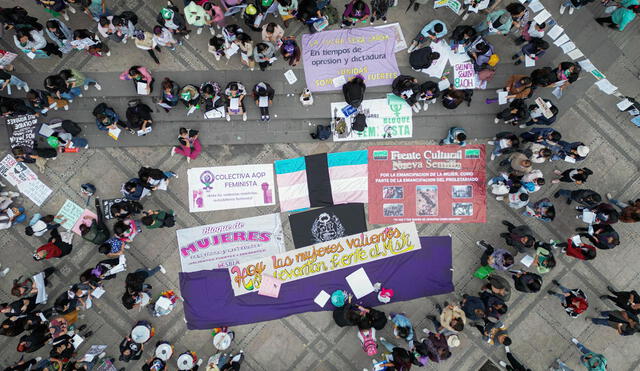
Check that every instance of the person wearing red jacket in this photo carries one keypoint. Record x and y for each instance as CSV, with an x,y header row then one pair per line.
x,y
55,248
574,301
580,251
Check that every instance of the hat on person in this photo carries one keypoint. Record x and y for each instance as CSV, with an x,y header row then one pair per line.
x,y
288,47
453,341
337,298
251,10
267,2
166,13
53,141
385,295
493,60
583,151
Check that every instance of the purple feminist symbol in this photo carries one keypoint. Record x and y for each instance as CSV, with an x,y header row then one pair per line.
x,y
206,178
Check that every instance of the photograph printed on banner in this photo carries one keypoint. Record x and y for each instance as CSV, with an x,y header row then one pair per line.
x,y
393,209
462,191
392,193
462,209
427,200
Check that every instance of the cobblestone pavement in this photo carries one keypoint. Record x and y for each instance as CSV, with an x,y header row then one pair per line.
x,y
540,329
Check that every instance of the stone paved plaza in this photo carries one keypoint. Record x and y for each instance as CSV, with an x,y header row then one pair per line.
x,y
540,329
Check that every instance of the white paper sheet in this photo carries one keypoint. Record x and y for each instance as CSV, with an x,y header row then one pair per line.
x,y
77,340
191,110
231,50
529,62
115,133
31,55
542,16
575,54
145,131
606,86
443,84
555,31
141,87
460,49
502,97
536,6
587,65
339,81
624,104
214,113
588,217
234,104
527,260
576,240
263,102
97,293
291,77
322,298
567,47
569,159
359,283
557,92
561,40
45,130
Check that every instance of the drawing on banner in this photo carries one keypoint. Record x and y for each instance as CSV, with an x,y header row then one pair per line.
x,y
439,184
226,244
426,200
230,187
322,179
392,193
386,119
71,212
22,130
367,51
22,177
463,76
325,257
401,43
327,223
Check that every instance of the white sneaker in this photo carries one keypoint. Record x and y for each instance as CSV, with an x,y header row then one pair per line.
x,y
228,117
415,108
493,157
126,246
522,126
124,41
72,10
562,9
66,108
26,87
506,349
173,151
425,106
496,121
575,341
199,362
186,36
503,364
97,86
491,142
244,117
38,359
109,53
70,100
188,160
86,87
4,272
571,10
499,198
12,194
164,271
66,16
80,95
199,31
609,196
213,32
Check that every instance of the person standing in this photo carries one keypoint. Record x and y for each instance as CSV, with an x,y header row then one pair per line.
x,y
627,300
574,301
7,79
520,237
264,54
495,333
196,16
620,320
577,176
263,95
629,212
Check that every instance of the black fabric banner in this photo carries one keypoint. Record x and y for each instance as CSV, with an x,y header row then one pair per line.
x,y
318,180
22,131
106,207
327,223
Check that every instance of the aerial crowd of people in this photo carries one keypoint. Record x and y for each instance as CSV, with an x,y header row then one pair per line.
x,y
516,184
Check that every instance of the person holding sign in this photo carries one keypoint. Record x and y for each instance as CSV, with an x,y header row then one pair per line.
x,y
33,44
263,95
141,78
235,93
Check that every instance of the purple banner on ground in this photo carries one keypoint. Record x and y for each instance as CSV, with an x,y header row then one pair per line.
x,y
209,300
342,54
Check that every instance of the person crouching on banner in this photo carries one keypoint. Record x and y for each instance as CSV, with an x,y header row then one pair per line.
x,y
406,87
427,93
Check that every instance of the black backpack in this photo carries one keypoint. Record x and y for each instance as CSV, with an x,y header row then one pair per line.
x,y
359,122
71,127
323,132
130,16
354,93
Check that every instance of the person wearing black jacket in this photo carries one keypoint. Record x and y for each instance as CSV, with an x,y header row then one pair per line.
x,y
19,307
407,88
627,300
603,236
422,58
428,91
567,72
585,197
520,237
35,340
11,107
263,95
353,91
139,116
573,5
130,350
516,113
18,18
462,35
526,281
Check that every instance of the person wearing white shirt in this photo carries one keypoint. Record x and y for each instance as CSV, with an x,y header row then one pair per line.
x,y
532,30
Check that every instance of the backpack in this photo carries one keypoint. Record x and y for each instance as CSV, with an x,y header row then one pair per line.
x,y
169,221
360,122
369,344
71,127
353,92
130,16
331,13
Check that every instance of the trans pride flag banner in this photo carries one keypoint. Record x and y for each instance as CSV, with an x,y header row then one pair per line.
x,y
323,179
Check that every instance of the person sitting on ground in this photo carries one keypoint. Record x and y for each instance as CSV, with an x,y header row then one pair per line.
x,y
422,58
432,31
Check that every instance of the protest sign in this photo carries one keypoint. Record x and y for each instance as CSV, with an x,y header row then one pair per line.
x,y
401,43
19,175
230,187
225,244
6,57
427,184
71,212
106,207
463,76
82,221
327,223
350,251
22,130
367,51
386,119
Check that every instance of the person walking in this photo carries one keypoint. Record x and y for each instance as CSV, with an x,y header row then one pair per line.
x,y
526,281
627,300
585,197
629,212
601,235
620,320
577,176
520,237
495,333
625,13
574,301
7,80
